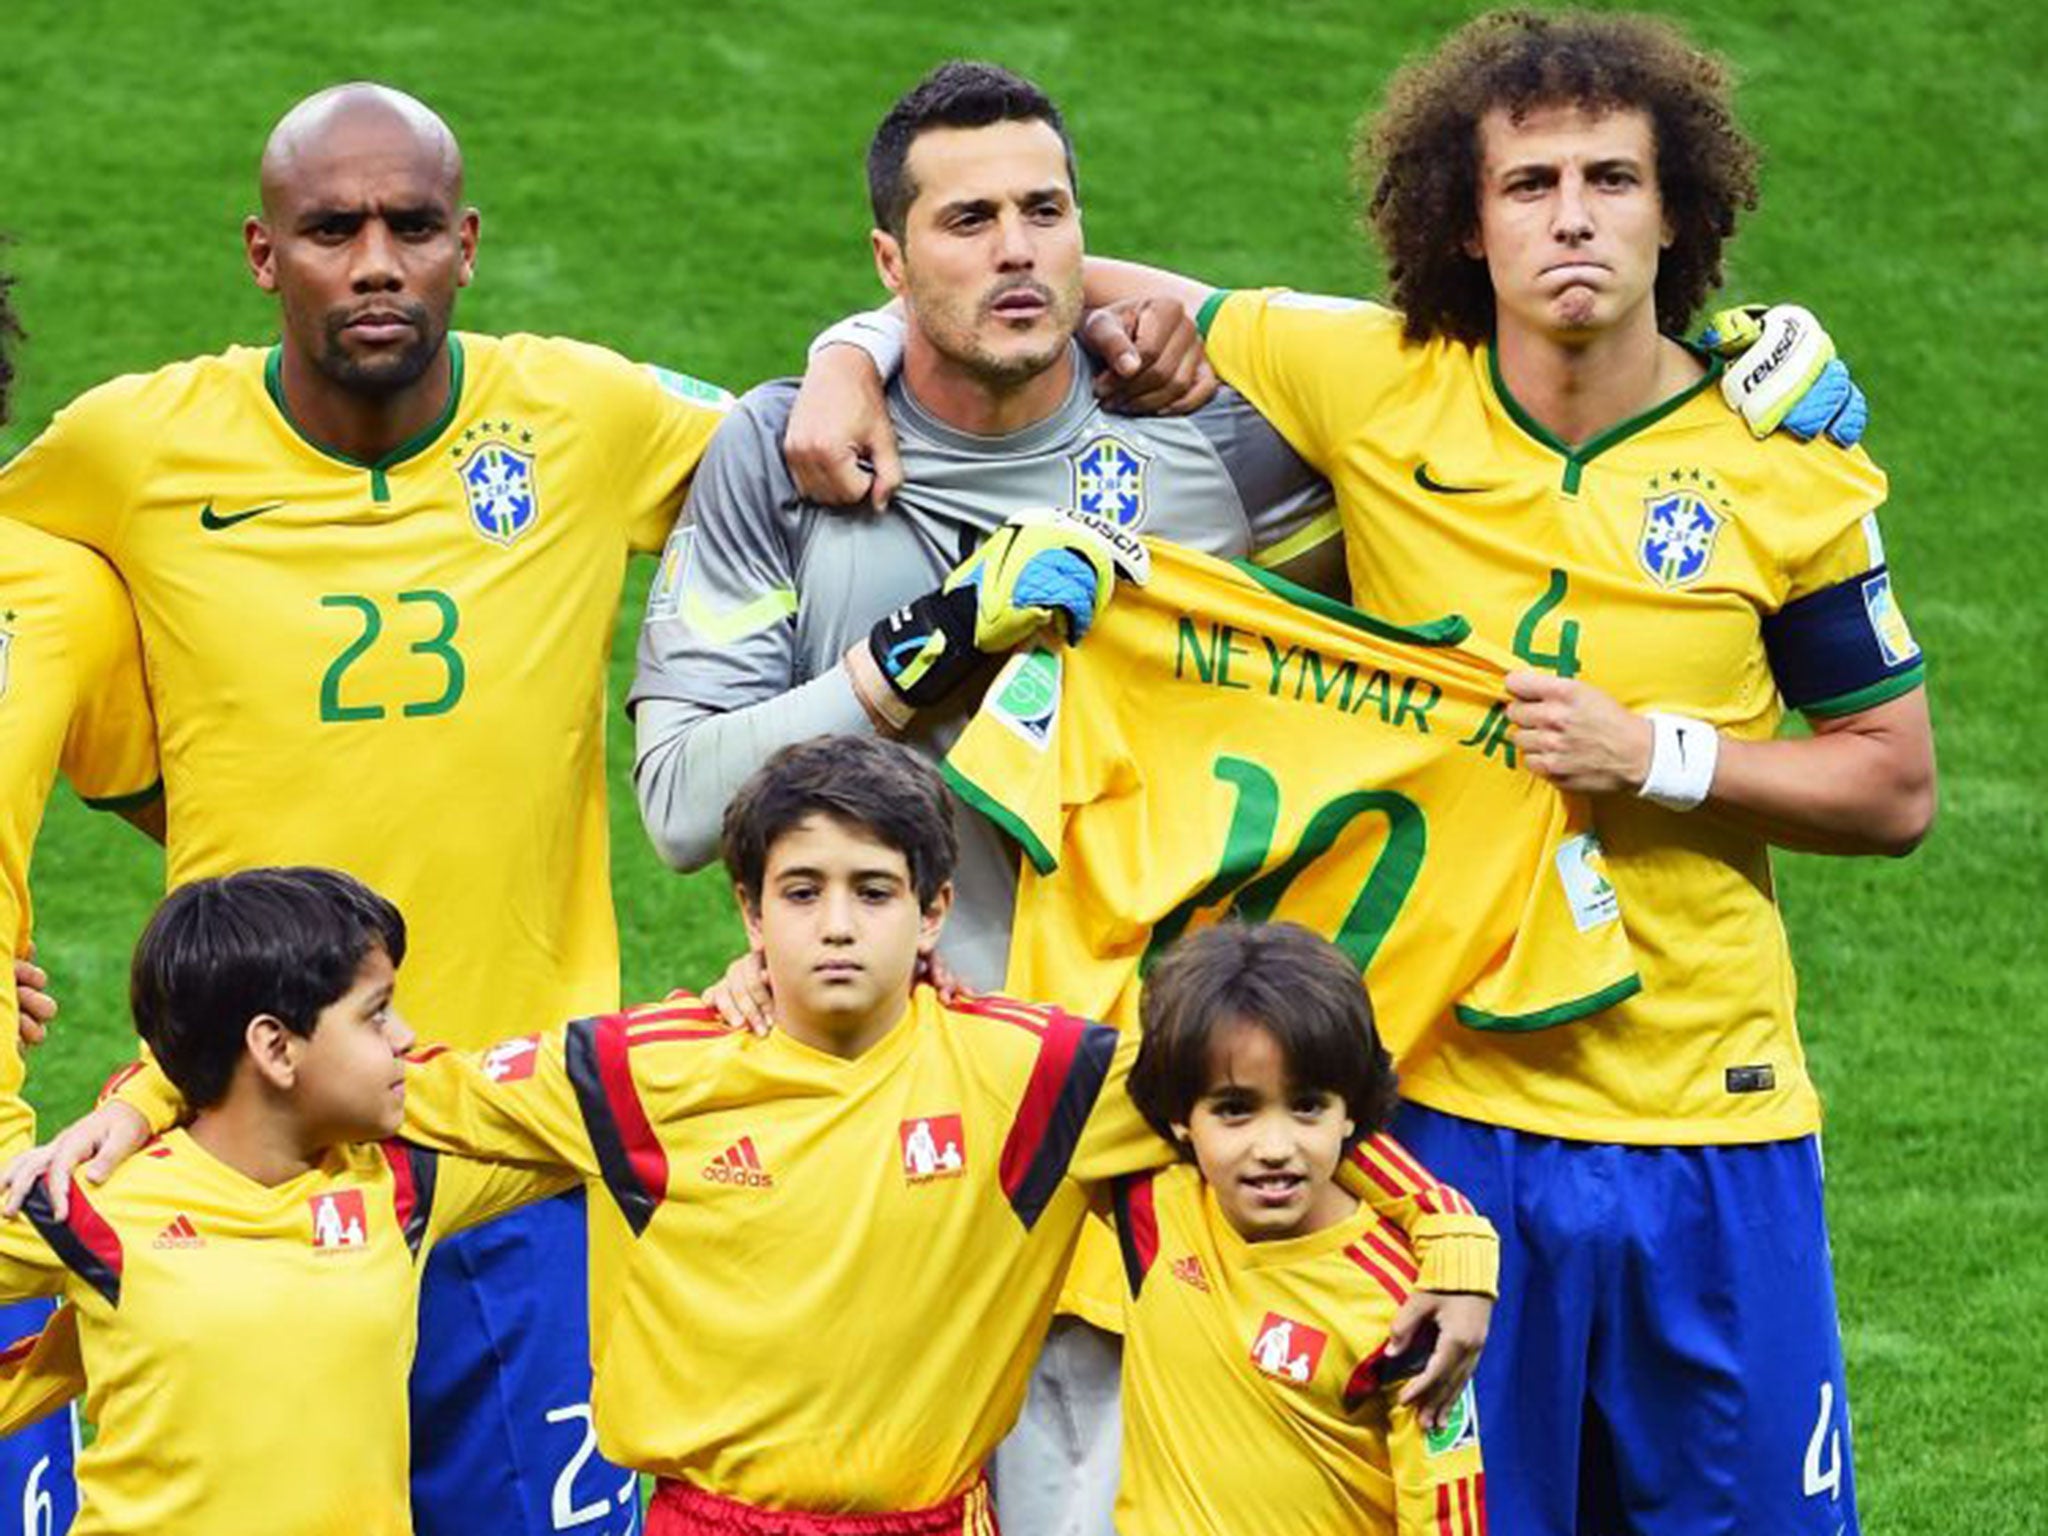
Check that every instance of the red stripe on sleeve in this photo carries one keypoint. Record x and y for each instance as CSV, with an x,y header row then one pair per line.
x,y
1465,1522
1058,1042
1443,1511
92,1229
643,1150
1479,1499
405,1195
991,1005
1144,1219
1393,1257
117,1080
1388,1283
661,1013
654,1036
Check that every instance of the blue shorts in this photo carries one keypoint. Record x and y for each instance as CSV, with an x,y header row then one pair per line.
x,y
1665,1359
501,1433
37,1476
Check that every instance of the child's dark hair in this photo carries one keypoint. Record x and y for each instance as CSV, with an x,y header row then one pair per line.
x,y
883,789
1279,977
220,952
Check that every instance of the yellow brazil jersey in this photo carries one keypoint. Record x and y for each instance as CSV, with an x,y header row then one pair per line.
x,y
1254,1402
1224,743
872,1243
1674,562
71,700
397,668
200,1295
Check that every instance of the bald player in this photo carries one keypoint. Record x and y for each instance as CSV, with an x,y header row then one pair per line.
x,y
375,568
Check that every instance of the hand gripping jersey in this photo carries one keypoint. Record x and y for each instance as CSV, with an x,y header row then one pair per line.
x,y
1253,1396
1673,561
199,1293
71,699
1225,744
862,1255
395,668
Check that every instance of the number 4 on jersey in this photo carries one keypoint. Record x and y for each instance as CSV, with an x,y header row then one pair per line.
x,y
1564,661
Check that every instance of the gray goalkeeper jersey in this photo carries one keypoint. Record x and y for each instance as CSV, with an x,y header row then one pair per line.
x,y
761,593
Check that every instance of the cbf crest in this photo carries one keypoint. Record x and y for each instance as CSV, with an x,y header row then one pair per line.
x,y
1682,517
498,481
1109,481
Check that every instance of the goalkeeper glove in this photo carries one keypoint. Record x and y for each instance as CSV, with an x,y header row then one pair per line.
x,y
1035,570
1783,373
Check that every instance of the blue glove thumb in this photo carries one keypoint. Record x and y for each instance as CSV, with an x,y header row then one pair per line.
x,y
1062,580
1834,405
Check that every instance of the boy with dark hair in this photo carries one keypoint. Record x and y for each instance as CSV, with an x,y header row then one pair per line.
x,y
271,1249
1260,1061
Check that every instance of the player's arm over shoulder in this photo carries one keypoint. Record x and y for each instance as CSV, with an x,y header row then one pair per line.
x,y
78,478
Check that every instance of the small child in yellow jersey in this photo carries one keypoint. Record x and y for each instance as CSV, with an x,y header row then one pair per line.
x,y
1260,1395
269,1252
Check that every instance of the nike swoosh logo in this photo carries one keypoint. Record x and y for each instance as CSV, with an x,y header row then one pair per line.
x,y
214,521
1423,479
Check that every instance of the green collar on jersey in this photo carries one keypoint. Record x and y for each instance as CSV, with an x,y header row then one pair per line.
x,y
1576,459
1451,629
380,489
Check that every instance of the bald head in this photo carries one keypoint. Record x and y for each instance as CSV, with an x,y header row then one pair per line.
x,y
348,126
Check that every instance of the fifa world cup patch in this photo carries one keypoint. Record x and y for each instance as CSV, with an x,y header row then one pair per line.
x,y
495,463
1026,696
665,596
1683,514
933,1147
687,387
1582,869
1109,481
339,1220
512,1061
1459,1429
1288,1351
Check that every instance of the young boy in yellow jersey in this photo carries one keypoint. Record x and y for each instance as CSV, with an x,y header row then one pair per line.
x,y
271,1250
1260,1396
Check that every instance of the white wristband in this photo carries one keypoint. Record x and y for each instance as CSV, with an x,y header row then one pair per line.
x,y
877,332
1683,752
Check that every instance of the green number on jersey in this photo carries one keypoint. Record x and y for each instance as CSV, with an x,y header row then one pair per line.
x,y
1564,661
1248,848
439,645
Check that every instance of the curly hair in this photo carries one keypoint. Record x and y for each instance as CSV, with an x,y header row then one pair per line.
x,y
10,331
1417,159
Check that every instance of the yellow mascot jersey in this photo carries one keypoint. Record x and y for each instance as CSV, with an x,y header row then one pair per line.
x,y
71,700
861,1256
394,669
200,1295
1253,1403
1224,743
1674,562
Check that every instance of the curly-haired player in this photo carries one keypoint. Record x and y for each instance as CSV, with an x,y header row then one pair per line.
x,y
1531,444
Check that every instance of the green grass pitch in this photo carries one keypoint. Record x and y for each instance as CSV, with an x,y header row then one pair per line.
x,y
683,182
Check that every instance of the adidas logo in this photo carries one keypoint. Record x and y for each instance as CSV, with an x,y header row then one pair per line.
x,y
739,1164
180,1233
1188,1270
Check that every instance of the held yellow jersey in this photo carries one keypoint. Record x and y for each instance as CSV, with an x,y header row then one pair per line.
x,y
1253,1398
1226,744
1674,562
873,1243
71,700
201,1295
397,669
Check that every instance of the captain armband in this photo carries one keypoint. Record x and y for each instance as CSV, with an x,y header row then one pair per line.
x,y
877,332
1844,648
1683,754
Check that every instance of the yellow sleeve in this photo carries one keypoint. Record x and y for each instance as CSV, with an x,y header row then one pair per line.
x,y
1041,744
666,419
40,1373
468,1193
29,1266
1456,1248
72,481
1827,519
510,1103
110,748
1117,1140
1570,956
144,1088
1304,360
1438,1485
